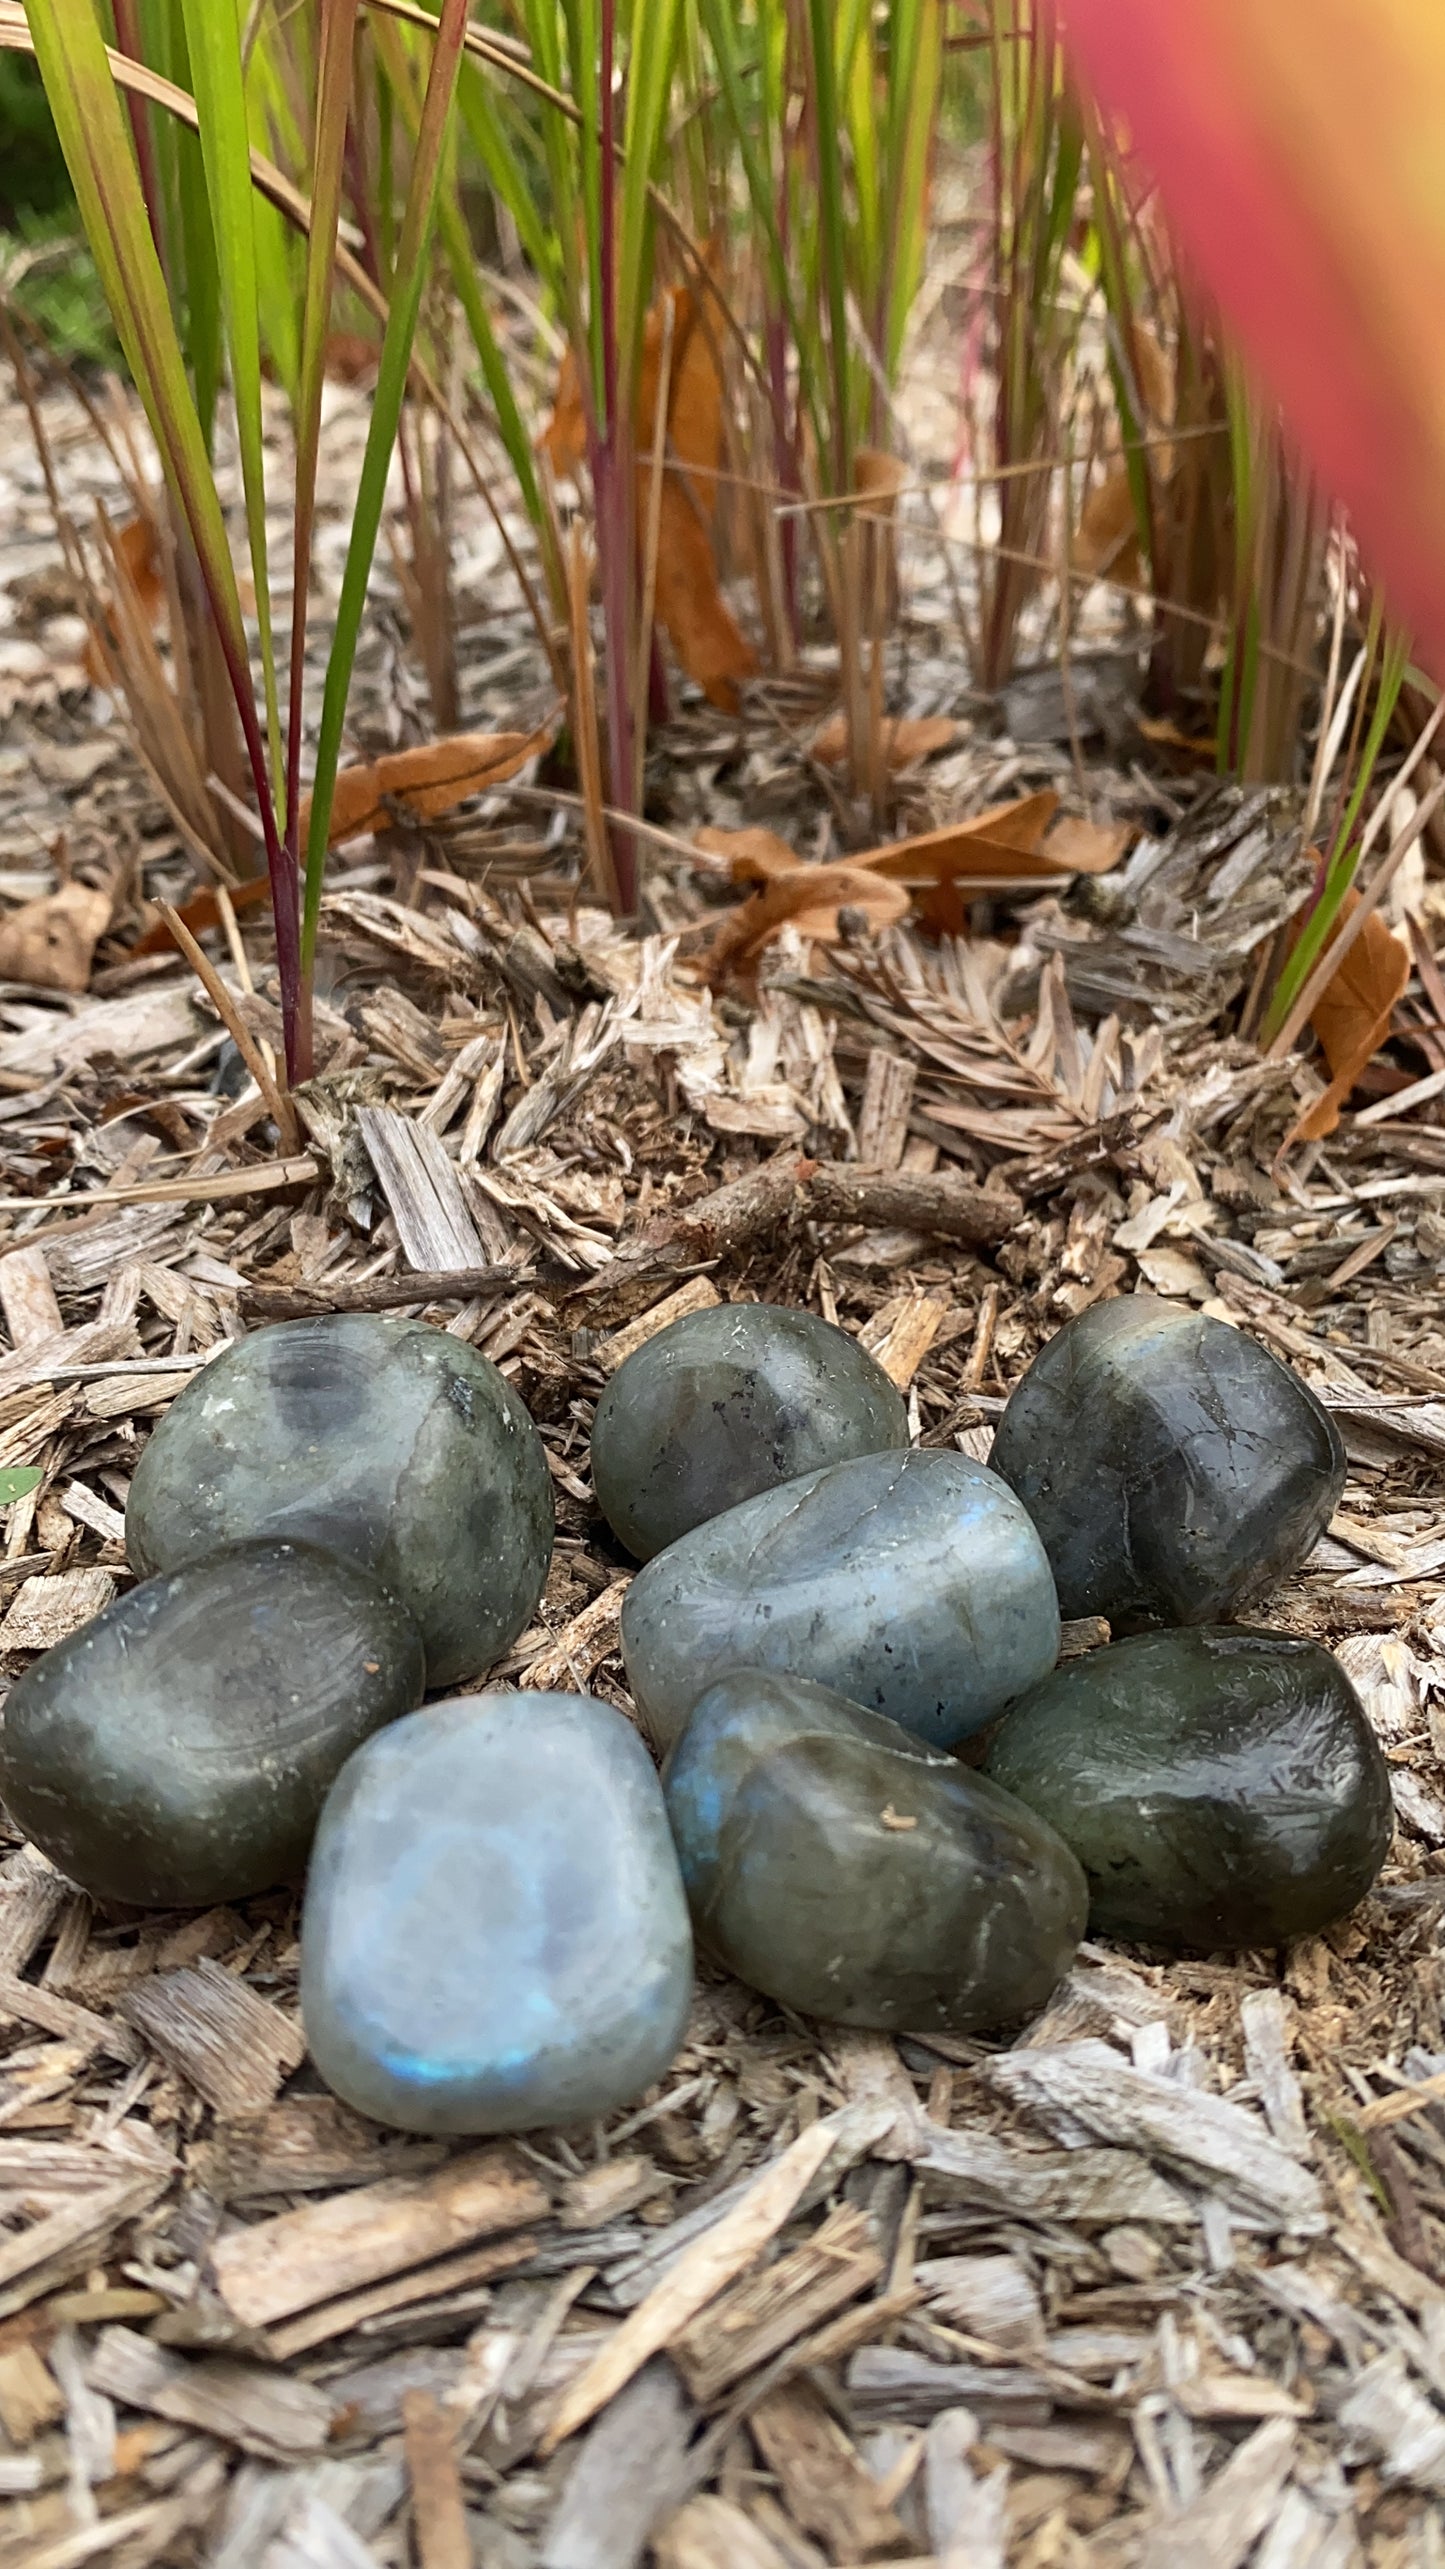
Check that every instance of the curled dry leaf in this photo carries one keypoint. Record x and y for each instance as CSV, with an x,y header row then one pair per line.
x,y
1352,1018
903,740
1010,844
422,784
688,602
51,943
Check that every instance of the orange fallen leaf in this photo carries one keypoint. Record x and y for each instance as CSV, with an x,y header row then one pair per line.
x,y
1352,1018
809,898
688,600
138,562
904,739
203,911
754,856
50,943
426,781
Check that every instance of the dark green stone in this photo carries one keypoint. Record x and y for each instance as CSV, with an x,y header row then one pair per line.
x,y
177,1750
912,1583
495,1933
1218,1787
838,1864
382,1440
726,1403
1172,1466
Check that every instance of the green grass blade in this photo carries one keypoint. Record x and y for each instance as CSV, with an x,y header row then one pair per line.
x,y
408,279
832,229
213,38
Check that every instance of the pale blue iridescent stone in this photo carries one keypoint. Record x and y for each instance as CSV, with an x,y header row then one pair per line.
x,y
834,1861
913,1584
389,1443
495,1934
725,1403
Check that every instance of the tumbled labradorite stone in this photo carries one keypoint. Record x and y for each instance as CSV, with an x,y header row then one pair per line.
x,y
495,1933
728,1402
1171,1465
176,1751
1219,1787
835,1862
912,1583
383,1440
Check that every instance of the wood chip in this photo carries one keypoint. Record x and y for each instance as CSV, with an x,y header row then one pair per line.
x,y
698,1294
30,2396
233,2047
324,2249
65,2242
49,1610
265,2413
1231,2512
826,2488
768,2311
711,2533
899,1336
28,1300
1086,2088
433,1222
440,2537
628,2473
570,1658
883,1116
698,2276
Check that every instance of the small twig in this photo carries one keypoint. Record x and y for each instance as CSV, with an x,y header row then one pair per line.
x,y
439,2516
281,1109
379,1293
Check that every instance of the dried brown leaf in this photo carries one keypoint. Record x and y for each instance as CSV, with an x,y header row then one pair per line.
x,y
903,739
51,943
426,781
1352,1017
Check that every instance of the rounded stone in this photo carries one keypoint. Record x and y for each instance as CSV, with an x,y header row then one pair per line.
x,y
382,1440
913,1584
1218,1787
841,1866
495,1933
728,1402
1172,1466
177,1750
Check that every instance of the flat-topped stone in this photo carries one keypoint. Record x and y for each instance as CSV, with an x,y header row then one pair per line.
x,y
385,1441
835,1862
725,1403
1172,1465
495,1933
176,1751
1219,1787
911,1583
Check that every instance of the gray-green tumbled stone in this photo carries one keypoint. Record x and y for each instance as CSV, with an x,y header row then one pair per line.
x,y
495,1933
1218,1787
726,1403
382,1440
914,1584
1172,1466
836,1863
176,1751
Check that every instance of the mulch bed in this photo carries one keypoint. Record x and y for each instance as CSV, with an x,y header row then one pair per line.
x,y
1159,2281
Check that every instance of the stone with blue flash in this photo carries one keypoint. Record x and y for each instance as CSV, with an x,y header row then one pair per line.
x,y
495,1934
914,1584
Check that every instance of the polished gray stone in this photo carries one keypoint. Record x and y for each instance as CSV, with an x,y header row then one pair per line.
x,y
725,1403
1172,1466
383,1440
495,1934
176,1751
1218,1787
912,1583
835,1862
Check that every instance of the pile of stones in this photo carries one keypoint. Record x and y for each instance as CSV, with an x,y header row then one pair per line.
x,y
884,1799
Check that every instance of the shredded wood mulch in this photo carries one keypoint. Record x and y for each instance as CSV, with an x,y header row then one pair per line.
x,y
1157,2281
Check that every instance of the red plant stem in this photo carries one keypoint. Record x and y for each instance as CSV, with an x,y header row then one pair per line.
x,y
128,41
612,489
785,455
